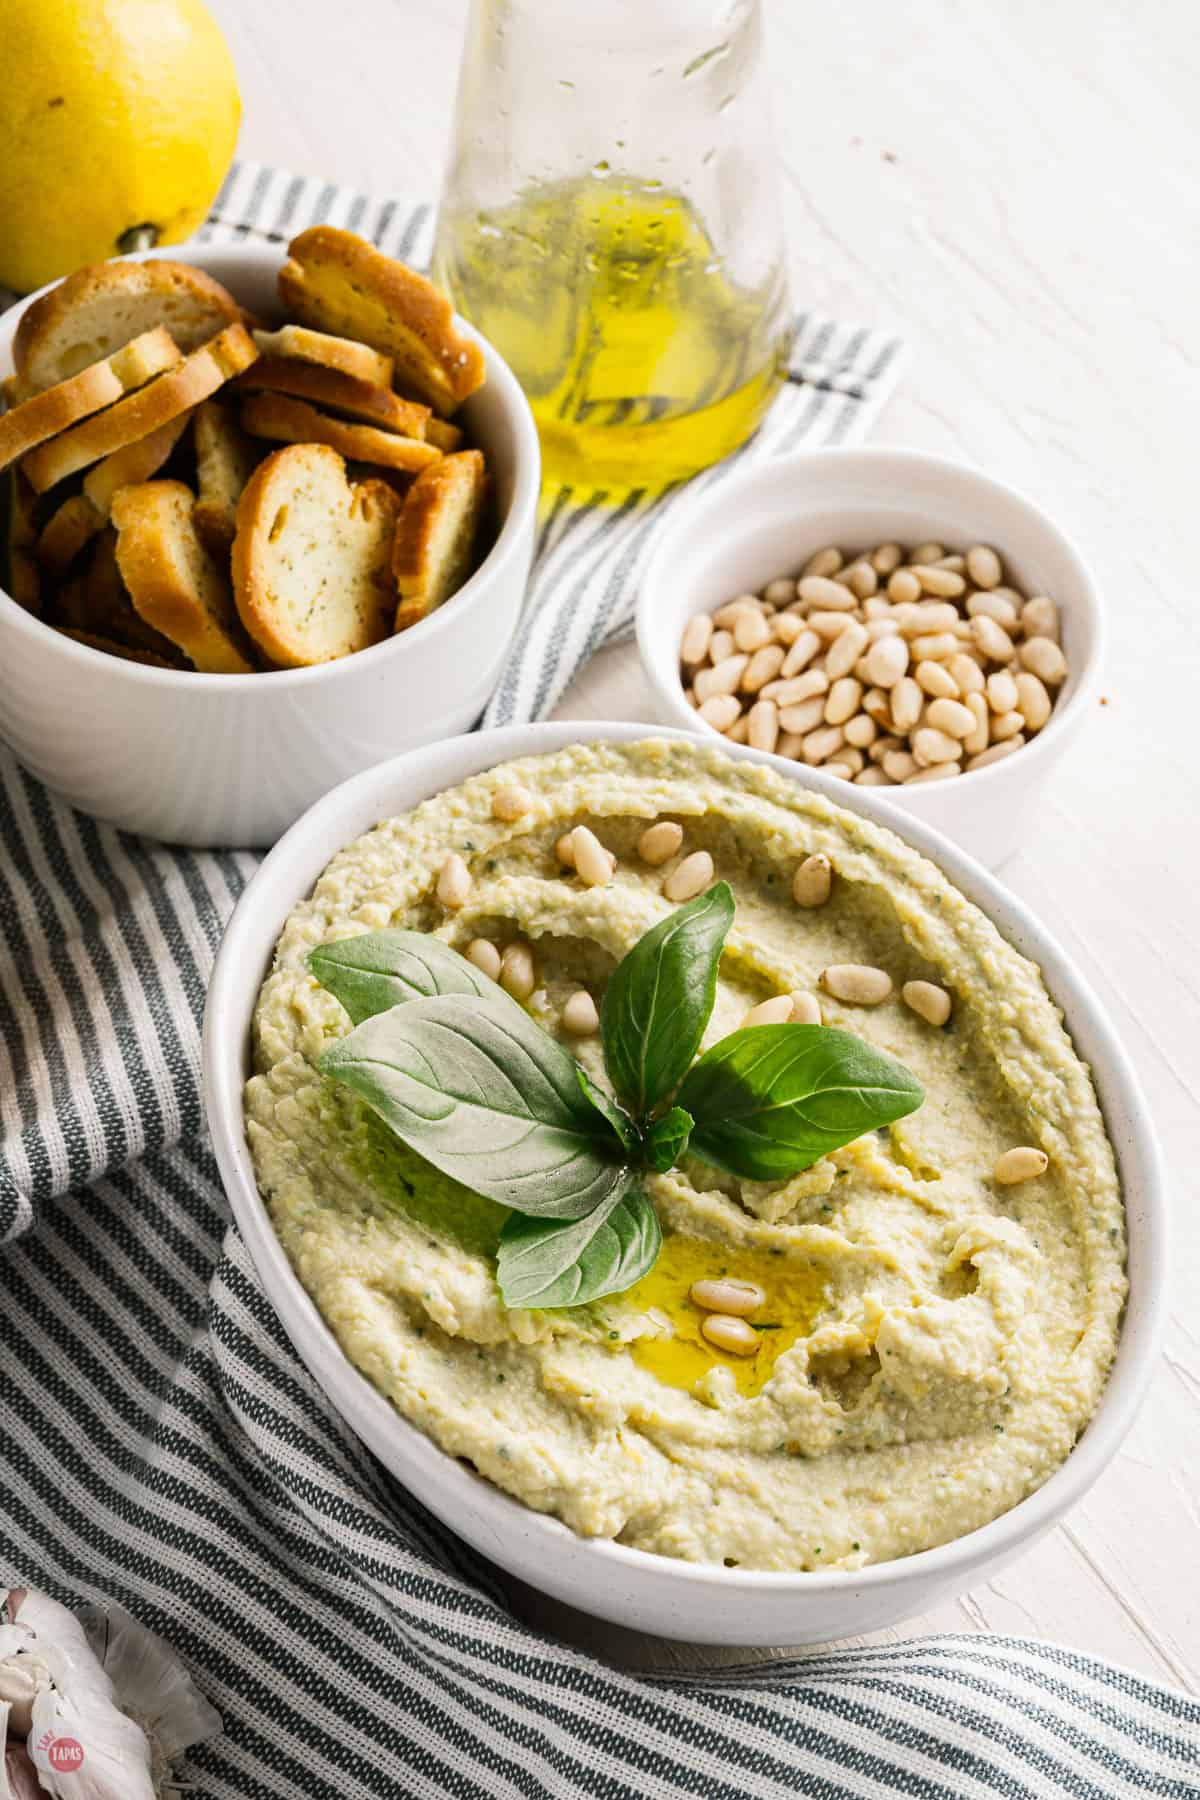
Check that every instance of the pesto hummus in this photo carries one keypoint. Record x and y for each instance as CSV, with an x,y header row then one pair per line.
x,y
935,1343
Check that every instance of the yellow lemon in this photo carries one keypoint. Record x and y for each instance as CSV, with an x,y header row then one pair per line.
x,y
114,115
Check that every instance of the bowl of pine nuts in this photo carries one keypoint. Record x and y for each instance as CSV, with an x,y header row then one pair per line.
x,y
892,618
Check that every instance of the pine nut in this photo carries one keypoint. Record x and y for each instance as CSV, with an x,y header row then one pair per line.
x,y
877,607
928,1001
936,680
564,849
697,635
806,1009
721,711
722,678
984,567
841,771
781,591
849,758
823,743
873,776
861,579
882,745
993,606
887,559
861,731
1032,700
660,842
955,562
1039,618
801,653
485,956
907,701
751,631
857,983
935,772
804,717
930,745
690,878
952,717
1007,725
926,554
1043,658
739,731
887,660
733,1335
935,647
592,863
720,646
967,673
842,703
813,881
794,688
877,706
830,596
763,666
579,1015
509,803
845,650
1023,1163
823,562
898,765
939,581
934,615
980,735
787,627
997,753
1001,691
903,586
992,639
829,625
733,1298
775,1011
727,615
791,743
453,882
762,728
516,971
880,625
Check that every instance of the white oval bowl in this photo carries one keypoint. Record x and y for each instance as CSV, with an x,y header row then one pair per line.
x,y
233,760
699,1602
736,535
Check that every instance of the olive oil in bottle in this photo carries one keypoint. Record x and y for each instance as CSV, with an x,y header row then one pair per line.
x,y
642,359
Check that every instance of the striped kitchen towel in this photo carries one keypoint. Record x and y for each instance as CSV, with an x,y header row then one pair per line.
x,y
162,1446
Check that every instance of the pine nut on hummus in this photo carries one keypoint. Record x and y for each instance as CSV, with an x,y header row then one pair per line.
x,y
931,1338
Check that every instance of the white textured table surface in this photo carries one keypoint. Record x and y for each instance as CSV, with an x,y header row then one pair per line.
x,y
1015,188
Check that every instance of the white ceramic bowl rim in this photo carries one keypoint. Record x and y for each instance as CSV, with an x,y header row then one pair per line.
x,y
507,544
1132,1366
1084,678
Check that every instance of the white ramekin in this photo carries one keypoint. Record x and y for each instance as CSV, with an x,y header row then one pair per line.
x,y
737,534
233,759
703,1603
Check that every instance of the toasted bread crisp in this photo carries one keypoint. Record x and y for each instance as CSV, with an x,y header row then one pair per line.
x,y
311,560
225,460
159,402
337,282
110,612
98,309
23,577
344,394
291,421
175,585
58,408
79,518
319,347
436,534
66,533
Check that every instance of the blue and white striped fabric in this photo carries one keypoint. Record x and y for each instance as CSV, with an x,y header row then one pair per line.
x,y
161,1445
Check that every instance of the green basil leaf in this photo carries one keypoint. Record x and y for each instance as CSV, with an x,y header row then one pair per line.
x,y
474,1085
549,1262
622,1124
659,998
381,969
771,1099
667,1139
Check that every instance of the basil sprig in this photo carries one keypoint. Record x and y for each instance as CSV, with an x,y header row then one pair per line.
x,y
471,1082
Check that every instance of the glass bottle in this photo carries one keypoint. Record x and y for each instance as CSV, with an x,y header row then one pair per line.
x,y
610,221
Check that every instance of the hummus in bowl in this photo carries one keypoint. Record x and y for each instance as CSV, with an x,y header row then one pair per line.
x,y
934,1341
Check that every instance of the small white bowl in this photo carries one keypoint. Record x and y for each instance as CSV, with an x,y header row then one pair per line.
x,y
699,1602
232,760
738,534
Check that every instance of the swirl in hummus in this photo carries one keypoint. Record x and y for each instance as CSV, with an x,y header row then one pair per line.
x,y
935,1343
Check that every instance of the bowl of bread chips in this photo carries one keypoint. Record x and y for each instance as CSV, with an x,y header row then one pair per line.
x,y
267,519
